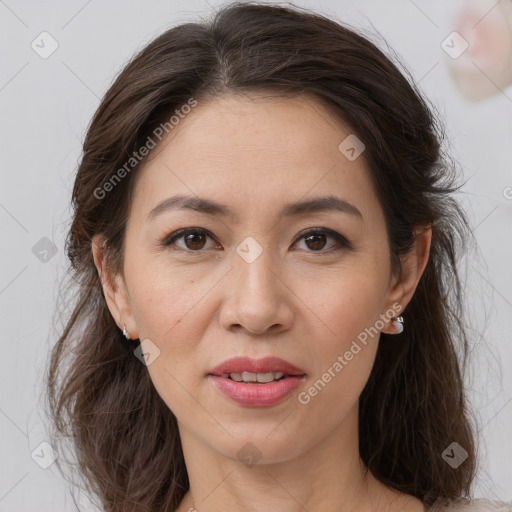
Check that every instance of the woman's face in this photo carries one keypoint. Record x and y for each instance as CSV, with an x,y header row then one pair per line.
x,y
254,282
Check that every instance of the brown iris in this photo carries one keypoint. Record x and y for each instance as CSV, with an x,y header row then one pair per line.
x,y
195,240
318,241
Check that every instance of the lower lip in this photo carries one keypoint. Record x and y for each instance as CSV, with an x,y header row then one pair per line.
x,y
257,395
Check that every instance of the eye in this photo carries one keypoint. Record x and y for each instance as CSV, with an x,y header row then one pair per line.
x,y
193,238
315,240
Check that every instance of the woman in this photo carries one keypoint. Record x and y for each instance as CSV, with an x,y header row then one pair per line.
x,y
268,310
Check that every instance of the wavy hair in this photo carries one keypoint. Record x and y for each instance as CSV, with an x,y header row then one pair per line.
x,y
100,397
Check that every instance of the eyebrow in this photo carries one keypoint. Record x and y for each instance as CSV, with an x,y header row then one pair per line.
x,y
211,207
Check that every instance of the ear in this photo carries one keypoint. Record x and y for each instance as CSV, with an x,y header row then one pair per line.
x,y
114,290
413,264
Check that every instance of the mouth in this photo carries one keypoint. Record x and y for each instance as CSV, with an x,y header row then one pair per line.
x,y
256,371
257,382
255,378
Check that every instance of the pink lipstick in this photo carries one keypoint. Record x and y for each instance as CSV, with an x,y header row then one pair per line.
x,y
257,382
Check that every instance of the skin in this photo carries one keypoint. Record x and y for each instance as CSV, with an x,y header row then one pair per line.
x,y
303,302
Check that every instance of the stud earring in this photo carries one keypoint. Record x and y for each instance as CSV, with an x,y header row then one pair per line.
x,y
125,332
398,323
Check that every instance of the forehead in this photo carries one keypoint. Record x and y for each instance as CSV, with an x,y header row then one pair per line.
x,y
259,125
253,152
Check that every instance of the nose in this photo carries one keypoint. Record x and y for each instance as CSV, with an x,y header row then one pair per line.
x,y
257,299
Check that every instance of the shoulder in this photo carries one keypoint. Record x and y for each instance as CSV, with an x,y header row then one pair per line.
x,y
479,505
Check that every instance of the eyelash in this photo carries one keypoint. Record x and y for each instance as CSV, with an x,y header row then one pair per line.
x,y
343,243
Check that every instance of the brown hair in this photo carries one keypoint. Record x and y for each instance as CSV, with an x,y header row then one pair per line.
x,y
413,407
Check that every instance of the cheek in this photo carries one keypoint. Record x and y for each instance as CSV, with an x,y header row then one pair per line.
x,y
352,316
165,301
349,300
349,308
169,308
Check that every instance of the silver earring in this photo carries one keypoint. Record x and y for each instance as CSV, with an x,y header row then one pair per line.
x,y
125,332
398,322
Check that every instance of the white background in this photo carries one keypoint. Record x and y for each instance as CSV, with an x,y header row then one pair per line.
x,y
46,105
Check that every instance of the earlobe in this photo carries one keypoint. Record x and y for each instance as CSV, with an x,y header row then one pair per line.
x,y
413,266
114,289
109,288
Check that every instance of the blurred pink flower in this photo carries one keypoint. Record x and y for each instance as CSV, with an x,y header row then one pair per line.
x,y
486,66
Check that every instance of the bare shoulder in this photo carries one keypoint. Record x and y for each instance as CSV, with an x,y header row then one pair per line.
x,y
478,505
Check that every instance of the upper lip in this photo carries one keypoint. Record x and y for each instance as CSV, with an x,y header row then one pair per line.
x,y
264,365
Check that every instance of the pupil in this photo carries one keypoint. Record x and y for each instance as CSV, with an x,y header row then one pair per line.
x,y
315,244
193,238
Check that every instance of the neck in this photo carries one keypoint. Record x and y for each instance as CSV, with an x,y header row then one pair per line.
x,y
329,475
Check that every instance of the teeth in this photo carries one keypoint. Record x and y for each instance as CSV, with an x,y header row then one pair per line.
x,y
255,377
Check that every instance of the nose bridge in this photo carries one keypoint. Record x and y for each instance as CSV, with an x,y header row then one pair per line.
x,y
255,268
257,296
